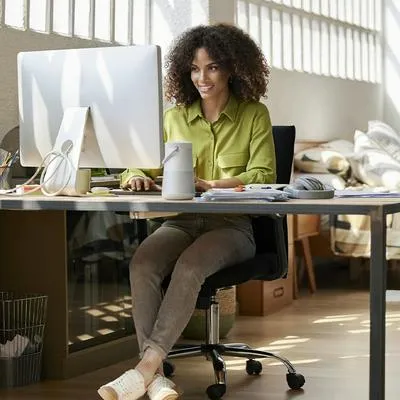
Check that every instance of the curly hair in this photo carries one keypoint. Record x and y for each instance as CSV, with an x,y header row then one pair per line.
x,y
231,48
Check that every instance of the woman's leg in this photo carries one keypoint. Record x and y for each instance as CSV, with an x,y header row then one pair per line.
x,y
209,253
153,260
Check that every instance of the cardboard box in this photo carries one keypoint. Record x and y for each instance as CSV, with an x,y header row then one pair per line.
x,y
264,297
260,298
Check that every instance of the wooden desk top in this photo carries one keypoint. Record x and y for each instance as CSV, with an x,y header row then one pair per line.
x,y
143,203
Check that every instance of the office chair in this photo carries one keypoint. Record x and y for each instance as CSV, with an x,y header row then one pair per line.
x,y
269,263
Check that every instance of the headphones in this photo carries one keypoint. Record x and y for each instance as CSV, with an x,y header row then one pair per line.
x,y
308,187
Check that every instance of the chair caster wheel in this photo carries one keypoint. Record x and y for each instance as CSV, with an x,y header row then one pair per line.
x,y
253,367
168,369
295,381
215,392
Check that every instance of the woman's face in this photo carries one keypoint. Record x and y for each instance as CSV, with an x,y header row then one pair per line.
x,y
209,78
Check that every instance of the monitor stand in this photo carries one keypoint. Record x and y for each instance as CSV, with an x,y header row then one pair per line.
x,y
62,176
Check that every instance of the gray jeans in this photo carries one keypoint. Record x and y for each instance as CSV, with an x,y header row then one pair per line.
x,y
191,247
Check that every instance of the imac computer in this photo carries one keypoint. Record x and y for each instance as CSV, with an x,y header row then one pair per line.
x,y
87,108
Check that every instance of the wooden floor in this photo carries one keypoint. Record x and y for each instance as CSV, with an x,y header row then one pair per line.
x,y
325,336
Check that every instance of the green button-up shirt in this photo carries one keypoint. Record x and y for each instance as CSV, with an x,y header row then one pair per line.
x,y
238,145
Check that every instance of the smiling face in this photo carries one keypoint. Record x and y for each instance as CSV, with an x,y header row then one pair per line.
x,y
209,78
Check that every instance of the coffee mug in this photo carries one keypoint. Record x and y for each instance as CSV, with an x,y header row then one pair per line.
x,y
83,180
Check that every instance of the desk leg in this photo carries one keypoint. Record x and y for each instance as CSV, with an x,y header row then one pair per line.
x,y
378,276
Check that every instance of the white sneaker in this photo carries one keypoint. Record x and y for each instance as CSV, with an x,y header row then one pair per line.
x,y
129,386
161,388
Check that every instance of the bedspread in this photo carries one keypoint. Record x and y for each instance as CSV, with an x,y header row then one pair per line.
x,y
350,236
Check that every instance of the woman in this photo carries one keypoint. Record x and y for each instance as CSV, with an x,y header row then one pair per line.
x,y
216,76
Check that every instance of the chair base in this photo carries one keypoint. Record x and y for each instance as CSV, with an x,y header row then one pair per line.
x,y
214,352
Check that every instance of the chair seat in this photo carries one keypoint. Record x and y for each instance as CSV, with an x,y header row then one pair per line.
x,y
261,267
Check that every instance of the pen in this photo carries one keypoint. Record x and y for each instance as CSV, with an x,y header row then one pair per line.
x,y
256,187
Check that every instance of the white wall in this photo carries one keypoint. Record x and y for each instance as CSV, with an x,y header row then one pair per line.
x,y
321,108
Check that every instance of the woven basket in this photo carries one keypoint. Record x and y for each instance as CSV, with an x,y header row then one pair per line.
x,y
196,328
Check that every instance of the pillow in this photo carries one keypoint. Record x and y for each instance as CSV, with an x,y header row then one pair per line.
x,y
342,146
384,136
329,157
373,163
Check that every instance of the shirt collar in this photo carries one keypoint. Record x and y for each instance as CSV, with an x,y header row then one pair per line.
x,y
231,108
194,110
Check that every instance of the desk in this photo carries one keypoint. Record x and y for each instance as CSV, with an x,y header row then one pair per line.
x,y
377,209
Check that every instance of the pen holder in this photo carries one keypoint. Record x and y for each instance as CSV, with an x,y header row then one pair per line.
x,y
5,177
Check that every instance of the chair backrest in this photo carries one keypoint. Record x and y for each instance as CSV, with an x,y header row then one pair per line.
x,y
264,227
270,234
284,137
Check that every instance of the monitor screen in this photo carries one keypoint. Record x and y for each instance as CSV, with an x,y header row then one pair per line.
x,y
121,85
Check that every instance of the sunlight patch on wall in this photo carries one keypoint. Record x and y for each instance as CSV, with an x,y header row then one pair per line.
x,y
61,17
39,14
81,14
14,13
163,30
337,38
102,20
392,67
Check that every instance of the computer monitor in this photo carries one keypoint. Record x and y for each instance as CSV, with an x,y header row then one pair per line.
x,y
115,92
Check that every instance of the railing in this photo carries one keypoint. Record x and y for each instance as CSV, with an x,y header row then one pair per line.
x,y
340,38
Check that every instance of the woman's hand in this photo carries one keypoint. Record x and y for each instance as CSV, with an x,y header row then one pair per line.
x,y
201,185
138,183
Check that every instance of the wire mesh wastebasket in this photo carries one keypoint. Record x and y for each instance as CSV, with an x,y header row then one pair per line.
x,y
22,323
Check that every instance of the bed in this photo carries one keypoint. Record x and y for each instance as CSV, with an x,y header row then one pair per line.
x,y
372,160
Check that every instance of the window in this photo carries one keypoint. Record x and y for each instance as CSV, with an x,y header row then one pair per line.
x,y
338,38
88,19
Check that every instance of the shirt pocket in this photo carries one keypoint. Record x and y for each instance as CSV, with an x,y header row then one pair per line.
x,y
232,164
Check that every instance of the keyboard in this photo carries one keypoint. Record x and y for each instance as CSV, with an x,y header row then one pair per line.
x,y
123,192
110,181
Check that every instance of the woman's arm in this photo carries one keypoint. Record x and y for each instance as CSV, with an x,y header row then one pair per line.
x,y
261,166
203,185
